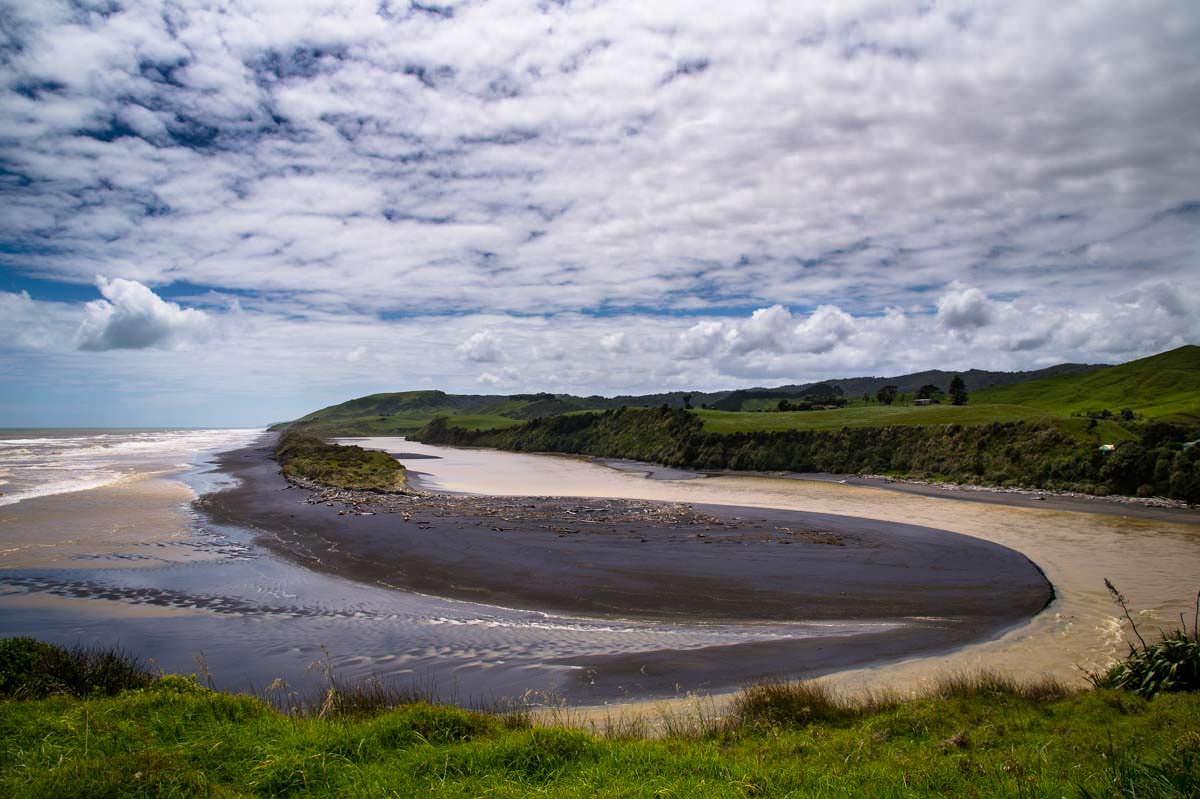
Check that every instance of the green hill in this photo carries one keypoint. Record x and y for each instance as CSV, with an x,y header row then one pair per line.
x,y
1139,439
1164,386
404,412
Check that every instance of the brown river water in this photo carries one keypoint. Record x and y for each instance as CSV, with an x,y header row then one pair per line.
x,y
1156,564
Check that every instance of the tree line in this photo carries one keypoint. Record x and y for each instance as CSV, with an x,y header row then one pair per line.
x,y
1027,454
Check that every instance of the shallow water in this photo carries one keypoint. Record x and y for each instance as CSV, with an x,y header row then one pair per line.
x,y
208,595
1155,563
208,599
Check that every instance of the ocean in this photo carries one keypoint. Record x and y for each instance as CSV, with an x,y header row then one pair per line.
x,y
44,462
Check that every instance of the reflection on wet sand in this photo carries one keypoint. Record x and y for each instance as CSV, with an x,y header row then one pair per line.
x,y
1154,562
137,521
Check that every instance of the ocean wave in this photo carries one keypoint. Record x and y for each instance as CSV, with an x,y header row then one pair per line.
x,y
44,465
59,487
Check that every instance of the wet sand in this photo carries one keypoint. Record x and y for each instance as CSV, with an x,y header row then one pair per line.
x,y
1132,507
911,589
141,521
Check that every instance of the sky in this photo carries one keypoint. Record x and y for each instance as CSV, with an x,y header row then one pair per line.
x,y
233,213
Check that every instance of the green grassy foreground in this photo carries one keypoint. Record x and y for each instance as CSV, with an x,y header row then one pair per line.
x,y
981,737
84,723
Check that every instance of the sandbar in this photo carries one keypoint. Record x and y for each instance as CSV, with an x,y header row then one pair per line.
x,y
903,589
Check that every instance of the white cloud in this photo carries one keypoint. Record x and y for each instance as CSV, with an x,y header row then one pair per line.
x,y
26,324
550,184
964,308
481,347
132,317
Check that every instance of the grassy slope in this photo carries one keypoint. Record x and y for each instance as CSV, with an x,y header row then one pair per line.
x,y
1165,386
404,412
482,421
176,739
903,416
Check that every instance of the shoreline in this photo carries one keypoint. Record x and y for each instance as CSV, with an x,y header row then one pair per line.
x,y
1151,508
657,561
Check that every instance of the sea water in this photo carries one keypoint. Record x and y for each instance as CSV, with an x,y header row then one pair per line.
x,y
40,462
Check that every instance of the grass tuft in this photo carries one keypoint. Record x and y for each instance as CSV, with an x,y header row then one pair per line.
x,y
987,683
789,704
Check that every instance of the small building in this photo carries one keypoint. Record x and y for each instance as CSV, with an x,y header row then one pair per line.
x,y
924,401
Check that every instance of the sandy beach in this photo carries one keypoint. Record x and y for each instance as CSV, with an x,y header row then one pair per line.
x,y
919,590
140,521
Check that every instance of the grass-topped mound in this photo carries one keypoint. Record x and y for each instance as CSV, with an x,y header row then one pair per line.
x,y
307,457
31,669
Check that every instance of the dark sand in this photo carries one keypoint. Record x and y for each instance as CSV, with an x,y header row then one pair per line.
x,y
615,558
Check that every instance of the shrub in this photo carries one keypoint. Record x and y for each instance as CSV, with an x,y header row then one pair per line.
x,y
1170,664
31,669
308,457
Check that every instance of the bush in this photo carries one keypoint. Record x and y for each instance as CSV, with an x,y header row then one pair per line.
x,y
1170,664
31,669
308,457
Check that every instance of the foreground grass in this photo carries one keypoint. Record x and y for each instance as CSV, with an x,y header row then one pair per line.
x,y
978,738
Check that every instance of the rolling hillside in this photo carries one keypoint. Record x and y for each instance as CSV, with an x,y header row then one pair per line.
x,y
1066,432
1164,386
405,412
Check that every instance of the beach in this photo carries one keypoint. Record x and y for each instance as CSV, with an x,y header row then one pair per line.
x,y
915,590
603,588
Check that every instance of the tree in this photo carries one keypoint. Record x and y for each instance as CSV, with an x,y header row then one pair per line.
x,y
887,394
958,391
928,391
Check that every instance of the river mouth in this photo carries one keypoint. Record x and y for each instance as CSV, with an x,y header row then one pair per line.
x,y
237,610
852,591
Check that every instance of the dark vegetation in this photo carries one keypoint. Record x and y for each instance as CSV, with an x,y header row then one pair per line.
x,y
1034,454
30,669
307,457
1172,663
801,398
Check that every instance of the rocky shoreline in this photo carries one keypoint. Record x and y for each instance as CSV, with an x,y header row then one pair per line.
x,y
560,516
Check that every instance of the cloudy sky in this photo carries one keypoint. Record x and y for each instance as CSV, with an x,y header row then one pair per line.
x,y
235,212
